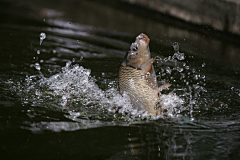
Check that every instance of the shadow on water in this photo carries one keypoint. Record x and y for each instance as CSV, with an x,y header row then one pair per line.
x,y
59,96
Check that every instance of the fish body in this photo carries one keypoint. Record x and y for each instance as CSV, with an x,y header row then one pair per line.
x,y
137,76
142,95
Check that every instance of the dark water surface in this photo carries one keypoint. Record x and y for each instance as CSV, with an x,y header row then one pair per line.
x,y
59,97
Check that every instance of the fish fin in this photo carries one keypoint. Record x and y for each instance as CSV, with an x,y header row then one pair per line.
x,y
165,86
147,66
162,87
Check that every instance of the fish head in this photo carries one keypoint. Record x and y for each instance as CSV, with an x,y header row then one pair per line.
x,y
139,51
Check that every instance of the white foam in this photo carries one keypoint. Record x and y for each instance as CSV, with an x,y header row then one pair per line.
x,y
75,90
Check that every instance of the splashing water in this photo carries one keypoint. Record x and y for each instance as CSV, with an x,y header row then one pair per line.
x,y
42,36
187,83
74,90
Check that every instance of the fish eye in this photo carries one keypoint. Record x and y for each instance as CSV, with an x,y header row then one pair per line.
x,y
134,47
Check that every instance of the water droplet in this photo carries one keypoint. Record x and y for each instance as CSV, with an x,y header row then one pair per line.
x,y
81,58
37,92
196,77
179,69
168,70
68,64
179,56
42,37
38,51
176,46
204,64
37,66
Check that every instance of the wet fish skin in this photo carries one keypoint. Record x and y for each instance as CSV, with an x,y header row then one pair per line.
x,y
137,76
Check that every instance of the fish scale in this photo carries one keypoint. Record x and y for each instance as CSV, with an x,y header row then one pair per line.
x,y
133,81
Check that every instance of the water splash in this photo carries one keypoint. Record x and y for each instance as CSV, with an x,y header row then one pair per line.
x,y
75,91
188,83
37,65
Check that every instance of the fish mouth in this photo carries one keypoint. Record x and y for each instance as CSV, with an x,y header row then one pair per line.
x,y
143,37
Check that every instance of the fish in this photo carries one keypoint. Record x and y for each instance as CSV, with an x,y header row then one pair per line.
x,y
137,77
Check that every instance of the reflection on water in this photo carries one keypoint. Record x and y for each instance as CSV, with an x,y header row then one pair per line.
x,y
186,141
59,85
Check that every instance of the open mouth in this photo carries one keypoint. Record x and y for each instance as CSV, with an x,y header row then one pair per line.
x,y
143,37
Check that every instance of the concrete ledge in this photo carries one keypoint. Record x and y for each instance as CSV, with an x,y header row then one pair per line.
x,y
221,15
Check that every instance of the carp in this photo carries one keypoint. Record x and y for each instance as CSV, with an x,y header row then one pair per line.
x,y
137,77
